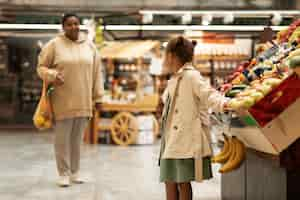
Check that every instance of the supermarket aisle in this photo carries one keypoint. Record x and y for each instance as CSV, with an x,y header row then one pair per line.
x,y
27,172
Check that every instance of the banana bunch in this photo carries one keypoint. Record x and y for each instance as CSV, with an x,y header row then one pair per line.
x,y
231,156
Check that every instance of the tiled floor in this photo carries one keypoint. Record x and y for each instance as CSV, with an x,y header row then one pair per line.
x,y
28,172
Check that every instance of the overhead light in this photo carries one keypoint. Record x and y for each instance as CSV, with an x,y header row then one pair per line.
x,y
164,44
34,27
123,27
186,18
85,21
228,18
205,23
147,18
145,27
30,26
206,19
276,19
220,13
193,33
190,27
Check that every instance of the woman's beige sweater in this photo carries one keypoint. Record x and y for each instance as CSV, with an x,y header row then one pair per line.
x,y
80,64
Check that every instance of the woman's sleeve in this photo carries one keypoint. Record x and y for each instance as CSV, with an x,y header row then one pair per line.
x,y
204,91
98,87
45,63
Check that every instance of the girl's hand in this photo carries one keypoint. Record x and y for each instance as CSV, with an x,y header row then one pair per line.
x,y
59,79
242,111
226,106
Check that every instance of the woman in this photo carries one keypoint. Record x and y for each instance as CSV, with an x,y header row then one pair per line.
x,y
185,151
71,63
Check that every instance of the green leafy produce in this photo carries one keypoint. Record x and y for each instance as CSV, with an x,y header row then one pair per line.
x,y
294,62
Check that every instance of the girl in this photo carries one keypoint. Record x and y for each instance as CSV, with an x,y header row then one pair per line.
x,y
185,150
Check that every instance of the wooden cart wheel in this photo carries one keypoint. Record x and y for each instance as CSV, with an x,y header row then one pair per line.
x,y
124,129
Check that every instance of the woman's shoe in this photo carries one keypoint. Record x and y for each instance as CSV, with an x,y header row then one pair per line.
x,y
76,178
63,181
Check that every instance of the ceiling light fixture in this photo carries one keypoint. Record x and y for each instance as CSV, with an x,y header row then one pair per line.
x,y
221,13
35,27
230,28
228,18
207,19
244,28
186,18
147,18
276,19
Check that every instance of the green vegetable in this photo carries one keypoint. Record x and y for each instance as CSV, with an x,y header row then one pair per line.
x,y
294,62
232,93
50,89
239,87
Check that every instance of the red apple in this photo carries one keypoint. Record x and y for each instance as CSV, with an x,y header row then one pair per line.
x,y
240,69
236,74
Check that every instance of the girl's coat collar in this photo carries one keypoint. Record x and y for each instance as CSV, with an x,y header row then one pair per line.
x,y
187,66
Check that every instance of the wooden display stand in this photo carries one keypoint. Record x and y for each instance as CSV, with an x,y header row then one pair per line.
x,y
124,126
260,178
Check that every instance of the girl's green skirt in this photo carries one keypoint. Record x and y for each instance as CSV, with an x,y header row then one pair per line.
x,y
182,170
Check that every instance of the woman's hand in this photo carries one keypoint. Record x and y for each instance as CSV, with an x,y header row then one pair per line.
x,y
59,79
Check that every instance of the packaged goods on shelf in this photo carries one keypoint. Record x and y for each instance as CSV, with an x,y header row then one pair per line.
x,y
216,55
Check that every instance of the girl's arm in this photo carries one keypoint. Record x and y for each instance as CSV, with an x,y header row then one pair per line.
x,y
212,97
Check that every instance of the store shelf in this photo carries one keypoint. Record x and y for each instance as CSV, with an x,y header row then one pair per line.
x,y
125,73
205,58
207,71
109,107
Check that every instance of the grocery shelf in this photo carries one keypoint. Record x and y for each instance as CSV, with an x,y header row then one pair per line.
x,y
221,58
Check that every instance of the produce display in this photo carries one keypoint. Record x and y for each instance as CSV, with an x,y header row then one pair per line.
x,y
285,35
231,156
264,87
252,81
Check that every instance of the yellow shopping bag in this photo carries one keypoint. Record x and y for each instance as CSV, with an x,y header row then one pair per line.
x,y
43,116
